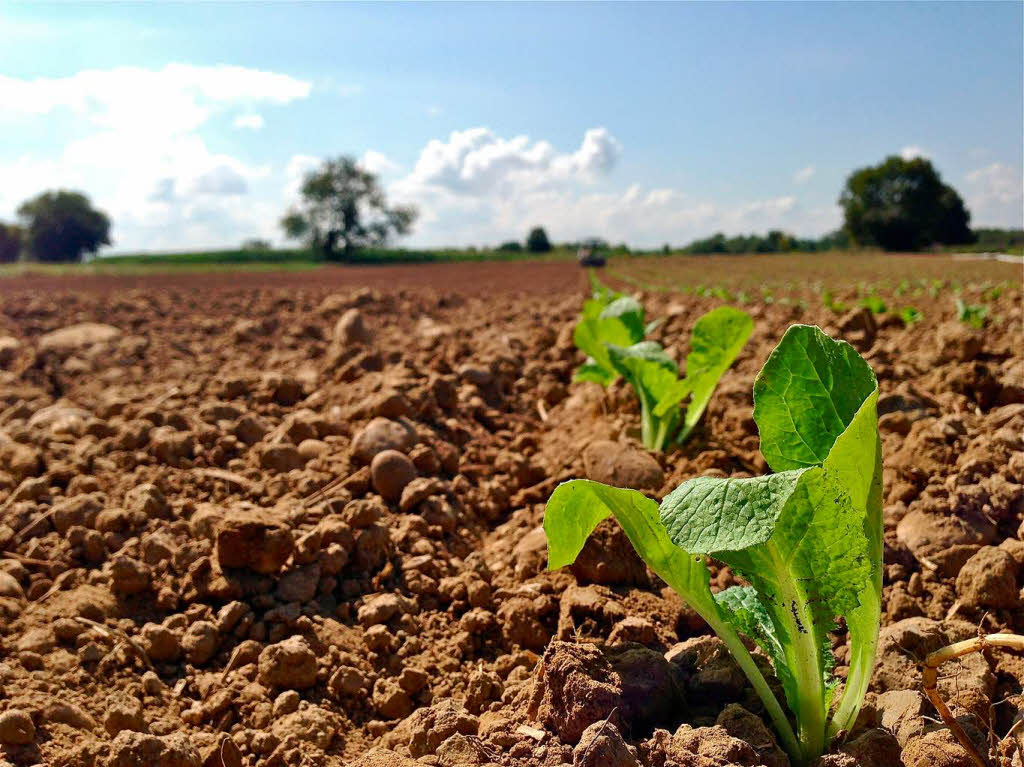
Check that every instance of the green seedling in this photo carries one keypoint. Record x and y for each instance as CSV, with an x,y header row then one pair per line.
x,y
608,317
722,294
993,293
903,288
807,539
874,304
975,315
910,315
832,303
716,340
936,287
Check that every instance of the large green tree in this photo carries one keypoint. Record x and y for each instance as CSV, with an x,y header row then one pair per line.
x,y
344,209
903,205
62,226
10,243
537,240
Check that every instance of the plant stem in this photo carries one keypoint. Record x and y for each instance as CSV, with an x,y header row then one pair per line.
x,y
746,663
862,664
803,657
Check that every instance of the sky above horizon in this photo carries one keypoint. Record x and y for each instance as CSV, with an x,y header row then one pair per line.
x,y
191,125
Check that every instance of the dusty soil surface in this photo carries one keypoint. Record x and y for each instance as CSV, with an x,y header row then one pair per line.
x,y
294,521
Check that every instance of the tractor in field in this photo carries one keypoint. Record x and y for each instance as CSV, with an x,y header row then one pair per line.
x,y
591,252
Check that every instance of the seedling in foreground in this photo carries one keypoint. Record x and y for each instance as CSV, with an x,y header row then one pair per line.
x,y
716,340
808,539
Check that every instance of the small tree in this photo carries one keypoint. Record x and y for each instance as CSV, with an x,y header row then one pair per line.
x,y
343,209
10,243
903,205
537,240
62,226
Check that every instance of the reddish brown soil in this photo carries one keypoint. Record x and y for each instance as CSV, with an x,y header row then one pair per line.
x,y
211,557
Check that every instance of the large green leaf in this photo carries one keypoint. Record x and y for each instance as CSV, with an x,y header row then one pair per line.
x,y
717,339
619,322
578,506
806,395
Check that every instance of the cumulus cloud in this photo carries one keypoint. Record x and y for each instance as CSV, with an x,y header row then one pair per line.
x,y
994,194
804,175
476,161
913,152
478,187
136,148
249,122
378,162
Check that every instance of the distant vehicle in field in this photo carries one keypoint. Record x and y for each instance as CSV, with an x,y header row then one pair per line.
x,y
591,253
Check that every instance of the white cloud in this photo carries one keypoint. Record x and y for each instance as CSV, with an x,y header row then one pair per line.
x,y
249,122
479,187
994,194
476,161
378,162
913,152
804,175
136,149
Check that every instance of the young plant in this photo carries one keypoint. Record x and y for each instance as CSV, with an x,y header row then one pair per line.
x,y
910,315
874,304
716,340
807,539
975,315
608,318
832,303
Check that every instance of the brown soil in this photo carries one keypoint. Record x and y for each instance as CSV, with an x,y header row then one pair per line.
x,y
294,520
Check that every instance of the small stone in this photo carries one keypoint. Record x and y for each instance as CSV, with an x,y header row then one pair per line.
x,y
601,745
390,472
281,458
622,466
9,586
379,435
16,727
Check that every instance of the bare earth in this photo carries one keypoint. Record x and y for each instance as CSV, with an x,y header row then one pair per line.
x,y
293,519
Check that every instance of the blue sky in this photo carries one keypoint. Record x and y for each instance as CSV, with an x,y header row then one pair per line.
x,y
192,124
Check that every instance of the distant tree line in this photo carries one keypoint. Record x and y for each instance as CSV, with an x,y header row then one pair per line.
x,y
898,204
775,241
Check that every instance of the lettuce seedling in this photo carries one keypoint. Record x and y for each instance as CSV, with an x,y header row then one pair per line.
x,y
807,539
608,317
716,340
874,304
618,321
975,315
910,315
